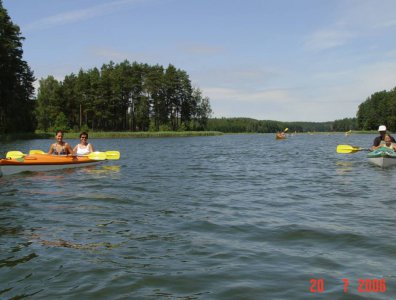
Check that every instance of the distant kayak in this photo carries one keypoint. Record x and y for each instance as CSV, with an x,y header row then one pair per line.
x,y
280,136
382,157
44,162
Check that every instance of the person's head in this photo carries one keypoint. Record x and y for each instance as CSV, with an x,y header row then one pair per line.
x,y
387,139
59,135
84,137
382,129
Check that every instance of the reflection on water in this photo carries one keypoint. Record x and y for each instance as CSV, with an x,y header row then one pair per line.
x,y
344,167
38,238
103,170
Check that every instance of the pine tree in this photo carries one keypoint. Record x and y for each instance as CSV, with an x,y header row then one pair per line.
x,y
16,79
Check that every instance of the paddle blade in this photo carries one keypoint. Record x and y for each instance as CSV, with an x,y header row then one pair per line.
x,y
112,155
97,156
347,149
286,129
36,152
14,154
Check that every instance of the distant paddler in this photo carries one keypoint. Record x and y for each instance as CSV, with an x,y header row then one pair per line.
x,y
281,135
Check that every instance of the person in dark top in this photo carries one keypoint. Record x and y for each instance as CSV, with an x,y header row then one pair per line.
x,y
60,147
377,141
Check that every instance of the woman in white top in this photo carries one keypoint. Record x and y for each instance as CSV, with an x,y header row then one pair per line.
x,y
84,148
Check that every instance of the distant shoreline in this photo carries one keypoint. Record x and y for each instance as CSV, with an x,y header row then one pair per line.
x,y
148,134
107,135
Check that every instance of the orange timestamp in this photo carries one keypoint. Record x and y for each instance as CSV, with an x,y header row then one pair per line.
x,y
370,285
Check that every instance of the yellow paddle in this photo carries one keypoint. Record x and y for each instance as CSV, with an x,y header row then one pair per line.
x,y
37,152
15,154
349,149
97,155
113,155
286,129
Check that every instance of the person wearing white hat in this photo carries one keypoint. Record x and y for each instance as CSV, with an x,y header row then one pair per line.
x,y
380,139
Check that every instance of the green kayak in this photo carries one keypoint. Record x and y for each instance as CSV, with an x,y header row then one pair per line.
x,y
382,157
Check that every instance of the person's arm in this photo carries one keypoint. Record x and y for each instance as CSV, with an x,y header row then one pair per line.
x,y
91,148
69,150
51,149
376,143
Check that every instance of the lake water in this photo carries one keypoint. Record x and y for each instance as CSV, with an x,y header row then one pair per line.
x,y
223,217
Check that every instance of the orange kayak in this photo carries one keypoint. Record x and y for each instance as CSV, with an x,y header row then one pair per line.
x,y
43,162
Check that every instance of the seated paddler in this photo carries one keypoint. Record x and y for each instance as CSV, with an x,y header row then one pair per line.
x,y
386,143
60,147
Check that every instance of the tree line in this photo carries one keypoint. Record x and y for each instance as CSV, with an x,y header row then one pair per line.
x,y
16,80
233,125
124,96
379,108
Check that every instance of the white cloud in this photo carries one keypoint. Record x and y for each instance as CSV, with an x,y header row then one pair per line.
x,y
78,15
325,96
369,15
355,19
243,96
328,38
244,77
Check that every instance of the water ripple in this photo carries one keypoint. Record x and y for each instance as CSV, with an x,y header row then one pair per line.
x,y
228,217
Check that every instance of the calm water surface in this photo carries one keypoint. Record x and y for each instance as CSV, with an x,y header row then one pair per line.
x,y
226,217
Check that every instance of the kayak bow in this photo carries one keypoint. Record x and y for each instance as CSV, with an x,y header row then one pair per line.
x,y
382,157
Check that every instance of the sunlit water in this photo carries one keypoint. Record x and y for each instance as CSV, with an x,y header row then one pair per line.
x,y
226,217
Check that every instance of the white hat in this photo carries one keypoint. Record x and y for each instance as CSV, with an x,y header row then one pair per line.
x,y
382,128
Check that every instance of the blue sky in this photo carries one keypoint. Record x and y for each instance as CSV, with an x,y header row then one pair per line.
x,y
285,60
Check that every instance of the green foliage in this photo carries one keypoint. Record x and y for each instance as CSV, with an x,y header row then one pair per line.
x,y
125,96
379,108
48,103
84,128
182,127
201,111
235,125
143,134
345,124
61,123
165,127
16,80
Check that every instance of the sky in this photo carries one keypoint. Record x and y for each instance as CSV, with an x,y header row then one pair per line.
x,y
284,60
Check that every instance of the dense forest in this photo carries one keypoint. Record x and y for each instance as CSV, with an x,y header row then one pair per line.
x,y
379,108
119,97
136,97
16,80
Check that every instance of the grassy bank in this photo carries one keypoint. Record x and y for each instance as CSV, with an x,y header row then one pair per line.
x,y
102,135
